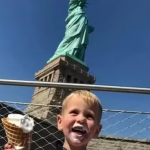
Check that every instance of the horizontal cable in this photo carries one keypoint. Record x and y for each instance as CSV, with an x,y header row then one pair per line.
x,y
57,106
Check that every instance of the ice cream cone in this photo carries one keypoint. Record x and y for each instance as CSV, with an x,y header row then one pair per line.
x,y
16,136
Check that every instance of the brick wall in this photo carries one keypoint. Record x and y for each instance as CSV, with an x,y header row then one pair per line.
x,y
113,143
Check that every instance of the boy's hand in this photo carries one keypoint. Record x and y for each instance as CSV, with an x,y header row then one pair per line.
x,y
8,147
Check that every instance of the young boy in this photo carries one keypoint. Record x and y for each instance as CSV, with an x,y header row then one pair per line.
x,y
79,120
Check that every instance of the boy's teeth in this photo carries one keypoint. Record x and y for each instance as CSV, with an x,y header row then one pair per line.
x,y
76,129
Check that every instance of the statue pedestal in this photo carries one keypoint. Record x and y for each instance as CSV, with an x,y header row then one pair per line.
x,y
62,69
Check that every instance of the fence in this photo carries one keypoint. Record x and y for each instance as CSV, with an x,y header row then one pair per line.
x,y
121,129
116,124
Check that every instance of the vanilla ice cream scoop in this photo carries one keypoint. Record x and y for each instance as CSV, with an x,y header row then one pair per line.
x,y
24,122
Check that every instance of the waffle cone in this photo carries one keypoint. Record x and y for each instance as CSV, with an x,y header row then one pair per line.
x,y
15,135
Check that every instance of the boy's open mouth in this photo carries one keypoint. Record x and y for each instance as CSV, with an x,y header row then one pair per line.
x,y
78,130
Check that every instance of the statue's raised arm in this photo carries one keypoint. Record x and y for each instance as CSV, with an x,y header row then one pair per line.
x,y
77,32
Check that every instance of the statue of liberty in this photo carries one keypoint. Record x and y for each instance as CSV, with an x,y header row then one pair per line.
x,y
77,32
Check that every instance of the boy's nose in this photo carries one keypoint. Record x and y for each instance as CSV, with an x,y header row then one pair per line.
x,y
81,119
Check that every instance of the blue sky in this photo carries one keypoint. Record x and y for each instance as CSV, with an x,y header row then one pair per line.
x,y
118,53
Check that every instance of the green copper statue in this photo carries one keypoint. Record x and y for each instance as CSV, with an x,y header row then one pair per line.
x,y
77,32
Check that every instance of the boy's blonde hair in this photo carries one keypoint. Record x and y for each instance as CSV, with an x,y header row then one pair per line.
x,y
90,98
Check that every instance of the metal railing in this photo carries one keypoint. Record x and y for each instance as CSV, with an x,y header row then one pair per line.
x,y
76,86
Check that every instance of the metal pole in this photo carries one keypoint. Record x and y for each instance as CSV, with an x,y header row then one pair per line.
x,y
75,86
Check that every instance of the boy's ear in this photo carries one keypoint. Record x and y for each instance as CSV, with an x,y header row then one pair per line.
x,y
99,127
59,123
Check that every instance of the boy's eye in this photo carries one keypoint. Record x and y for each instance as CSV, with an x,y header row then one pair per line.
x,y
90,117
74,112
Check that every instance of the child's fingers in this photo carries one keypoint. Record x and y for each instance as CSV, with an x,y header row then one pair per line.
x,y
8,147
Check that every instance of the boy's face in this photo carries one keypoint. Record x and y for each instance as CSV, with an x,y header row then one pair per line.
x,y
79,122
